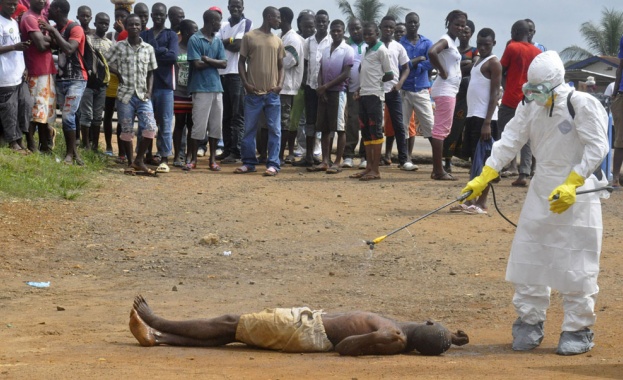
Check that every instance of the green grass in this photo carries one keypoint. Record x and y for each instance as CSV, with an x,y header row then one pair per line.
x,y
45,176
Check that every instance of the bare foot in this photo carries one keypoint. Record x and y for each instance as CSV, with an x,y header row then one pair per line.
x,y
143,309
141,331
140,165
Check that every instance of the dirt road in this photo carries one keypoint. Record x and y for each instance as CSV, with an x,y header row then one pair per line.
x,y
295,239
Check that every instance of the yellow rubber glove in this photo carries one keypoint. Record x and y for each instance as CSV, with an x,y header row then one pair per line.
x,y
566,193
480,183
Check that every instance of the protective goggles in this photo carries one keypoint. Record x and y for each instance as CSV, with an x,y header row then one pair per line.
x,y
537,91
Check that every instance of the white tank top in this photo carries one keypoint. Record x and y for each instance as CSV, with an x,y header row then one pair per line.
x,y
479,91
451,60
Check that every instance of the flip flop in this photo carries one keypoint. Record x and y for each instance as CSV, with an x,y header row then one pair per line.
x,y
357,175
244,169
474,210
317,169
458,208
444,177
215,167
369,177
270,172
190,166
334,170
163,168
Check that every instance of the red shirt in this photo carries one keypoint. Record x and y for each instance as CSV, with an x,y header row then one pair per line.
x,y
38,63
516,60
77,34
122,36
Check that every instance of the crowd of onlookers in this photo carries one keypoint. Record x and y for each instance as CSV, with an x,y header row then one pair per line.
x,y
248,96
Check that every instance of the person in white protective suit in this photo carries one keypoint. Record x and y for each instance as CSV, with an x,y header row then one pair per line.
x,y
558,239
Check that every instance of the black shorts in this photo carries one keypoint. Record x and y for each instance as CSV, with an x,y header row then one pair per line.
x,y
371,119
471,134
311,105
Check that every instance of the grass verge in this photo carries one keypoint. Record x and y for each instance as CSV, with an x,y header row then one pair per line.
x,y
45,176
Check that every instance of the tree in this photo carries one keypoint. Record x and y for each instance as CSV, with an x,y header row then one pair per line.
x,y
369,10
601,39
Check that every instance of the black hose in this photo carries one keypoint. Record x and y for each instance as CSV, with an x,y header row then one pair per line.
x,y
495,203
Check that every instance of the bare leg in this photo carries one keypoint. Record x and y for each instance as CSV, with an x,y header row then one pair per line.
x,y
341,144
617,161
213,142
389,146
211,332
482,199
411,143
437,159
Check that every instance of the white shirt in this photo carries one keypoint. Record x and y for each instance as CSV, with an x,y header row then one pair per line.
x,y
374,65
237,31
451,60
313,52
609,89
293,62
397,57
12,64
479,92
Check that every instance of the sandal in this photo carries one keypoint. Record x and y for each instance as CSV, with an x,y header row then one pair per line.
x,y
121,160
178,164
386,161
190,166
369,177
334,170
442,177
459,208
357,175
475,210
244,169
215,167
270,172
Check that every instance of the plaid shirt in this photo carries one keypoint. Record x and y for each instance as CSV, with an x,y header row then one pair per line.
x,y
103,45
133,64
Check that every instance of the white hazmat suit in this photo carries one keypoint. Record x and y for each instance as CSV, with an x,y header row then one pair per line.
x,y
551,250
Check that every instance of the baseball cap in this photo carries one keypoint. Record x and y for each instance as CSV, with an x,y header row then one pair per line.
x,y
215,8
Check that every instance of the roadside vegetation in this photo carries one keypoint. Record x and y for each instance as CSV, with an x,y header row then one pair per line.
x,y
37,176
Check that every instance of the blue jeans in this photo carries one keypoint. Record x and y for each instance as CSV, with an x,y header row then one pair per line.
x,y
68,96
254,105
162,101
233,113
146,122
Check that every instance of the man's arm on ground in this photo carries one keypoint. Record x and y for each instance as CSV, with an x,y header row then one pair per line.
x,y
460,338
386,341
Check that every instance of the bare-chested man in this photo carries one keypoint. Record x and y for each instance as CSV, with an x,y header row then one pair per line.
x,y
296,330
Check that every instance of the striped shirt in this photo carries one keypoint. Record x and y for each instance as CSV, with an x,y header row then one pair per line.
x,y
133,63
